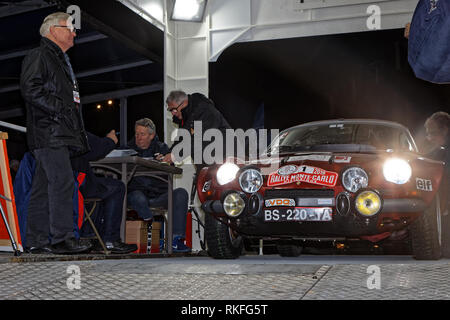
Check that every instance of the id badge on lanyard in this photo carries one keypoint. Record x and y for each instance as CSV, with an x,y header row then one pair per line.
x,y
76,94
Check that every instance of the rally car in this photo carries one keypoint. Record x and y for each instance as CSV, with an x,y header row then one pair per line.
x,y
331,181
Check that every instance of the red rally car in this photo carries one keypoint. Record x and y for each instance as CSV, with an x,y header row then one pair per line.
x,y
328,180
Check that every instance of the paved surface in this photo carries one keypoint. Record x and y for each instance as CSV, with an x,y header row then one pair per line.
x,y
267,277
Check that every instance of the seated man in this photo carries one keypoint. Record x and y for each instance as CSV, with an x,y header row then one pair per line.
x,y
147,192
111,191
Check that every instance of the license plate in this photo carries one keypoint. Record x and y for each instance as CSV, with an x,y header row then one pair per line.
x,y
298,214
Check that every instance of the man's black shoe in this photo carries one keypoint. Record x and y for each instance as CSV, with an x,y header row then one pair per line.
x,y
97,247
70,246
46,249
120,247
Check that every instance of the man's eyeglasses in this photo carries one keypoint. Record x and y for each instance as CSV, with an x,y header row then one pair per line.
x,y
175,109
71,28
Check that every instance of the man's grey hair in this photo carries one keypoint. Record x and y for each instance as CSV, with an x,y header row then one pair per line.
x,y
53,19
148,123
176,96
440,118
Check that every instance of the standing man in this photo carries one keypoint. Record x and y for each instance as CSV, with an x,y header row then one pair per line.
x,y
146,192
55,133
186,109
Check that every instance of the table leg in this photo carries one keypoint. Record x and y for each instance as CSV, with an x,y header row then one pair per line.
x,y
124,209
169,213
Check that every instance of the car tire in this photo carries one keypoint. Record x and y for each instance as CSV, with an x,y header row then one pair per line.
x,y
426,233
289,250
446,236
222,242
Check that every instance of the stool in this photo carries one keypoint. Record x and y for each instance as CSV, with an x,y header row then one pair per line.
x,y
87,217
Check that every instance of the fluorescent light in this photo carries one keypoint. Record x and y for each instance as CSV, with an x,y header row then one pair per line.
x,y
189,10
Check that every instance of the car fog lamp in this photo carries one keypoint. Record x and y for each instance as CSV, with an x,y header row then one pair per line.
x,y
397,171
226,173
354,179
250,180
233,205
368,203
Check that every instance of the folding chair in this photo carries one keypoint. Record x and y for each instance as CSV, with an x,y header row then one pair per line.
x,y
161,212
87,216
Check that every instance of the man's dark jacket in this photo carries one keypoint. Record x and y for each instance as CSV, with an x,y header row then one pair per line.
x,y
100,147
151,187
200,108
53,118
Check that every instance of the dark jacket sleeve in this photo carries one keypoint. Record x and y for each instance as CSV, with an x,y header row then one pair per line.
x,y
163,148
33,87
100,147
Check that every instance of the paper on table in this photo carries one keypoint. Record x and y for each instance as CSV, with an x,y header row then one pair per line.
x,y
121,153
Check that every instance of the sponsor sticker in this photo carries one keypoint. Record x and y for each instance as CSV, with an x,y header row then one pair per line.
x,y
342,159
323,202
280,202
424,184
287,170
206,186
314,157
303,173
265,161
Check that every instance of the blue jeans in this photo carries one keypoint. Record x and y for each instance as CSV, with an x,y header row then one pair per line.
x,y
139,202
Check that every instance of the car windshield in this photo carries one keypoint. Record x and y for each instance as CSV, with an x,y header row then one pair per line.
x,y
343,137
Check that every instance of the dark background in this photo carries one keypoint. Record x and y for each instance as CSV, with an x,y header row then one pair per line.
x,y
357,75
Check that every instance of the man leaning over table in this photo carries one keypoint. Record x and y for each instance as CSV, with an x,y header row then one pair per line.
x,y
145,193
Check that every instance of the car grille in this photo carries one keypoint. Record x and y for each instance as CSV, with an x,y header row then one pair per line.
x,y
299,193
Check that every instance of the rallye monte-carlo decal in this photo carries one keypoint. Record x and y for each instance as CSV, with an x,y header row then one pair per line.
x,y
292,173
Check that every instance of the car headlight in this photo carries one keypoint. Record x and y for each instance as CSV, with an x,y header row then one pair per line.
x,y
354,179
250,180
397,171
368,203
226,173
233,205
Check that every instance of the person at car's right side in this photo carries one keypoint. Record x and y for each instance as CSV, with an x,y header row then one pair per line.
x,y
437,128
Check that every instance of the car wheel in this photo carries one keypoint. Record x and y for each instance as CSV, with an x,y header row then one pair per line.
x,y
446,236
289,250
445,211
426,233
222,242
